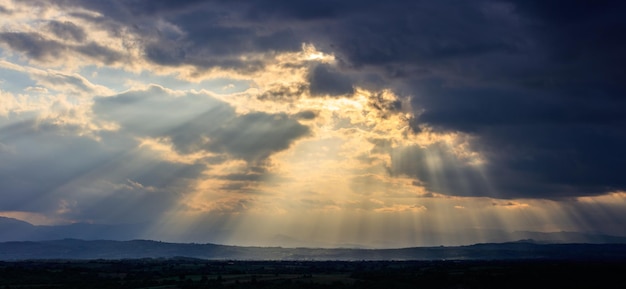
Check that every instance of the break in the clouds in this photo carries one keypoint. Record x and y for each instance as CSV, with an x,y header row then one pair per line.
x,y
434,116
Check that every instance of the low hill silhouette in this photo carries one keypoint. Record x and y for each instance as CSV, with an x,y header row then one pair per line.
x,y
102,249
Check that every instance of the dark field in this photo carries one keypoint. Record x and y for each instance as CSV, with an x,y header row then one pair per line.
x,y
194,273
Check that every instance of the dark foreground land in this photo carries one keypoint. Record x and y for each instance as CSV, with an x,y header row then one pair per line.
x,y
195,273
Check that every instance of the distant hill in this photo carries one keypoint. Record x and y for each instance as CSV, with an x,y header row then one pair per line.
x,y
80,249
13,228
568,237
17,230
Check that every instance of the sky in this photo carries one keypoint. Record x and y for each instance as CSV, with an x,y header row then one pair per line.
x,y
332,123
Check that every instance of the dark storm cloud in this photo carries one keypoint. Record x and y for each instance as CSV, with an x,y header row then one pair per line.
x,y
326,81
175,54
546,102
439,171
475,109
367,32
214,34
197,122
219,46
543,138
585,37
540,85
551,126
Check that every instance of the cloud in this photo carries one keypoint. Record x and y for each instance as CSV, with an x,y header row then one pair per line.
x,y
255,136
38,47
500,71
540,142
199,122
570,36
325,81
33,45
70,84
452,102
396,208
511,205
67,30
306,115
284,93
440,170
4,10
9,104
78,178
177,116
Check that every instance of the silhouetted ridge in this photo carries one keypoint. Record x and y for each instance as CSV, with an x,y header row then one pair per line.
x,y
135,249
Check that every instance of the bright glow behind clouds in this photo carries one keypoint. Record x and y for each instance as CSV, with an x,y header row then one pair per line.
x,y
106,120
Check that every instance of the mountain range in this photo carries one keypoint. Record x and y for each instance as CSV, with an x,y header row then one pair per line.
x,y
16,230
20,240
136,249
